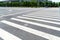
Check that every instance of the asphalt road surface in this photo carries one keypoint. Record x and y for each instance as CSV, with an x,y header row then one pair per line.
x,y
29,24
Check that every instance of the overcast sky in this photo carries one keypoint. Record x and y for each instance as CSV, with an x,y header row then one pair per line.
x,y
52,0
2,0
56,0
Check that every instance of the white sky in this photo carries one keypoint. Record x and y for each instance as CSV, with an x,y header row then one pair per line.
x,y
56,0
2,0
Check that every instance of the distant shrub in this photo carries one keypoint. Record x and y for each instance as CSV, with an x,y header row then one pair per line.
x,y
29,4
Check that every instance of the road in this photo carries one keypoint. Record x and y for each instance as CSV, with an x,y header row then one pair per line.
x,y
29,24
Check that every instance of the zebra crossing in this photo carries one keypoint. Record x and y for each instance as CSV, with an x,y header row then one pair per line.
x,y
33,26
4,34
42,25
47,18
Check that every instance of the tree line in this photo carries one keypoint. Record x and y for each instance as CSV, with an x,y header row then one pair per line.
x,y
30,4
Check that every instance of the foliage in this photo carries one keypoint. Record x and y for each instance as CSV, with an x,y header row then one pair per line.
x,y
30,4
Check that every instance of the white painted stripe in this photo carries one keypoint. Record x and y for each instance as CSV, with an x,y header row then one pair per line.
x,y
7,36
39,20
38,24
44,18
33,31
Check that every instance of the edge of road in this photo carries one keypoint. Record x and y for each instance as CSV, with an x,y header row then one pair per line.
x,y
18,13
25,11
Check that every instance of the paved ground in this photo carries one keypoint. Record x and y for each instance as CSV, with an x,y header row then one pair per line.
x,y
29,24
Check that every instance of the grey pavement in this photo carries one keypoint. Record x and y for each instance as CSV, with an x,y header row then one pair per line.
x,y
1,39
52,13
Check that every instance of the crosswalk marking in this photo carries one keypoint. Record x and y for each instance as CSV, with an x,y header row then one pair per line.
x,y
39,20
38,24
7,36
33,31
44,18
